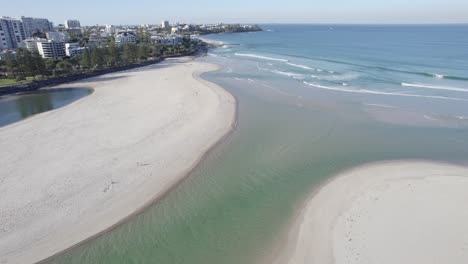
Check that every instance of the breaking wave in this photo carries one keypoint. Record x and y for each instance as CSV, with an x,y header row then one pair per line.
x,y
423,86
259,57
301,66
364,91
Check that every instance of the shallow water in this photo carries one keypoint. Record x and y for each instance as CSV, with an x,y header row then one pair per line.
x,y
289,139
14,108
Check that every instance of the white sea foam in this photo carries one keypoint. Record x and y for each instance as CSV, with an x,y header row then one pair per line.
x,y
289,74
381,105
301,66
439,76
430,118
315,76
259,57
364,91
340,77
435,87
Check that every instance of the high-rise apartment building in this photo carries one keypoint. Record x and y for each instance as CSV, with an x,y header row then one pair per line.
x,y
12,33
32,25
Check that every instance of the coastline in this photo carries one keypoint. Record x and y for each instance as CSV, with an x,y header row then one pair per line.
x,y
47,247
335,224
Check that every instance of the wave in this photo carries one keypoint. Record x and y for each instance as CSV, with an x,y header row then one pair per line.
x,y
428,117
315,77
456,78
289,74
381,105
426,74
301,66
259,57
364,91
435,87
340,77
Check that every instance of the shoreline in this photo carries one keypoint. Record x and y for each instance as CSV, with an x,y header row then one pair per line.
x,y
310,238
158,198
180,177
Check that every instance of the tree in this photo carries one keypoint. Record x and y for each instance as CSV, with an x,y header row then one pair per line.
x,y
97,57
142,52
85,59
113,56
129,55
50,65
40,67
10,63
64,66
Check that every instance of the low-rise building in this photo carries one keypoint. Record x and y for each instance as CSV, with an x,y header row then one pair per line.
x,y
125,37
31,43
3,54
176,29
98,39
51,49
73,49
58,36
167,39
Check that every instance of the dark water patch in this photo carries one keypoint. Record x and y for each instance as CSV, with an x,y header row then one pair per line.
x,y
14,108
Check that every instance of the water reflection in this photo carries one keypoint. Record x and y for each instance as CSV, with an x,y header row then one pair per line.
x,y
14,108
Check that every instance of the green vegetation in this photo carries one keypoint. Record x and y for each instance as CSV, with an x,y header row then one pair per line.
x,y
30,66
5,82
235,28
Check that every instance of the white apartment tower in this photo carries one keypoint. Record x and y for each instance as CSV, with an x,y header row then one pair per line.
x,y
71,23
33,25
73,26
12,33
110,29
165,24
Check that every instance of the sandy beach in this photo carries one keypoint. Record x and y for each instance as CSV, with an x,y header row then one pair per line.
x,y
71,173
390,212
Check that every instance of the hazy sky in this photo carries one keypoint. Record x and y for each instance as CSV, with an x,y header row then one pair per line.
x,y
91,12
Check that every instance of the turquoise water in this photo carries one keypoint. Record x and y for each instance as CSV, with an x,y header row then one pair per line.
x,y
14,108
292,136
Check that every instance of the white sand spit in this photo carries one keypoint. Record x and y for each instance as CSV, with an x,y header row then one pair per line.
x,y
391,212
68,174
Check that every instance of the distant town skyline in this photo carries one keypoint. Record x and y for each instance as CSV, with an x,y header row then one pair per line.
x,y
242,11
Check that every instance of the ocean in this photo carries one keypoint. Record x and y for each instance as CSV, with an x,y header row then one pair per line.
x,y
314,100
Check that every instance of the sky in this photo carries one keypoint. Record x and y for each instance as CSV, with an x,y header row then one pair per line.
x,y
119,12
